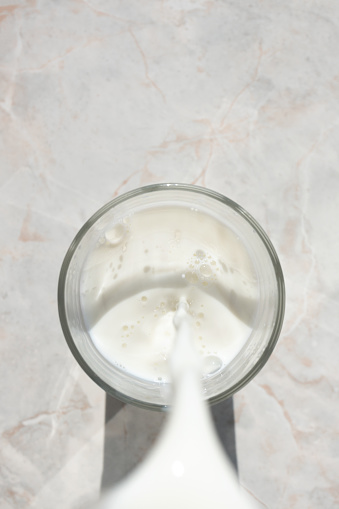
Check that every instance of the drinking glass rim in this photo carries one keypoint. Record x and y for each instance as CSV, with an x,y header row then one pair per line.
x,y
173,187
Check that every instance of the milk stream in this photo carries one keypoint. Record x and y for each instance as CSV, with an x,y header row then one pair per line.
x,y
187,467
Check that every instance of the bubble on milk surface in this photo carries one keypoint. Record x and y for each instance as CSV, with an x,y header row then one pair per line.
x,y
115,235
200,254
191,277
206,270
211,365
202,268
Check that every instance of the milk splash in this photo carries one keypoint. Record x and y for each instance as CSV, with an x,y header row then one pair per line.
x,y
187,467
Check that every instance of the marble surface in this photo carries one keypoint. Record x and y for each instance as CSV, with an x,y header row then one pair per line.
x,y
98,97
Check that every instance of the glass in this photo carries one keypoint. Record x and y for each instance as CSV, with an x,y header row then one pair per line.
x,y
220,231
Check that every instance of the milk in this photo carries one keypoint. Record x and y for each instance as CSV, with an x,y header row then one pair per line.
x,y
187,467
170,294
135,276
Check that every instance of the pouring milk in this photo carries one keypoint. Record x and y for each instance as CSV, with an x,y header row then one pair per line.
x,y
170,295
187,467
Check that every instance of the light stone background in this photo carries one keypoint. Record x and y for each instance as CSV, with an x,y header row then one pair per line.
x,y
98,97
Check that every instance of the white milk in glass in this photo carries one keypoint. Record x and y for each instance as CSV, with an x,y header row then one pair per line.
x,y
143,265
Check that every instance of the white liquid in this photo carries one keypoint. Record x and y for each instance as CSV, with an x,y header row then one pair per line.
x,y
139,332
133,280
186,468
